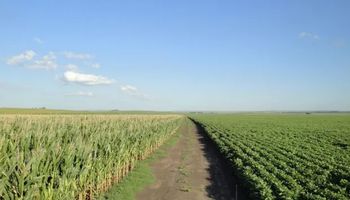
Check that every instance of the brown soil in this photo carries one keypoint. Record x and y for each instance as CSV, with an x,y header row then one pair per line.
x,y
192,169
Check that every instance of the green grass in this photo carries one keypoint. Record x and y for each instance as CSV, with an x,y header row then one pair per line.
x,y
141,175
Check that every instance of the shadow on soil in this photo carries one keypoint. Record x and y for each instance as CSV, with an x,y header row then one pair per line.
x,y
224,183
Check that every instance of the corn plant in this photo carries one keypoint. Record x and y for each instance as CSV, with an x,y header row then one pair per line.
x,y
74,156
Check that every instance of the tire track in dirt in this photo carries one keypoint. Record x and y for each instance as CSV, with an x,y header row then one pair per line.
x,y
192,169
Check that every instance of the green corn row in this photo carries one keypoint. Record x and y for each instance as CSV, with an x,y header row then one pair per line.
x,y
74,156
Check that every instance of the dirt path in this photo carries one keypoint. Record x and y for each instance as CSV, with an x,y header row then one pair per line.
x,y
191,170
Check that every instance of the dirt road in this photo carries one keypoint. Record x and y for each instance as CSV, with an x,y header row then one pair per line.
x,y
192,169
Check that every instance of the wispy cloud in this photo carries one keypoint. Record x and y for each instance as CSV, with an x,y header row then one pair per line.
x,y
46,62
38,40
30,59
133,91
86,79
95,65
80,93
21,58
26,59
308,35
71,67
78,56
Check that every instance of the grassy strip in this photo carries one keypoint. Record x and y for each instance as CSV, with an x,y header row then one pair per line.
x,y
142,174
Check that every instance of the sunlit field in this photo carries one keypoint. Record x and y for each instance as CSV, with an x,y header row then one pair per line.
x,y
281,156
74,156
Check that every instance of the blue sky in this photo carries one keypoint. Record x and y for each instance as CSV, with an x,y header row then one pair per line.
x,y
175,55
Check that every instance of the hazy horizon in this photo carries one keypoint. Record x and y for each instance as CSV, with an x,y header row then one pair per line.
x,y
234,56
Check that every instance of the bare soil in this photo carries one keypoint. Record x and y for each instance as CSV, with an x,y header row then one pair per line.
x,y
192,169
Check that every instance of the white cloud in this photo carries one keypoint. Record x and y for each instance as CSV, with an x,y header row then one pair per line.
x,y
26,59
309,35
38,40
129,89
95,65
80,93
86,79
21,58
78,56
133,91
46,62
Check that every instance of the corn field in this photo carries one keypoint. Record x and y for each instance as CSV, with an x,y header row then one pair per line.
x,y
74,156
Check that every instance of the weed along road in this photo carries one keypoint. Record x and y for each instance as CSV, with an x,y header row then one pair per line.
x,y
191,169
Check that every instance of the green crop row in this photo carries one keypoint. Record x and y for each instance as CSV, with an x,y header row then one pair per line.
x,y
74,156
286,156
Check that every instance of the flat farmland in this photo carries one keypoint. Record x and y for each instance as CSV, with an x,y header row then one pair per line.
x,y
74,156
285,156
82,155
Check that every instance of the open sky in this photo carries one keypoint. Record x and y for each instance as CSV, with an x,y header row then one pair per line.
x,y
175,55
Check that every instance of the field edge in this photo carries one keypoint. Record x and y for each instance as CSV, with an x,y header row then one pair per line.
x,y
142,174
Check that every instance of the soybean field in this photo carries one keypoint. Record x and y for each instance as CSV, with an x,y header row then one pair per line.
x,y
285,156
